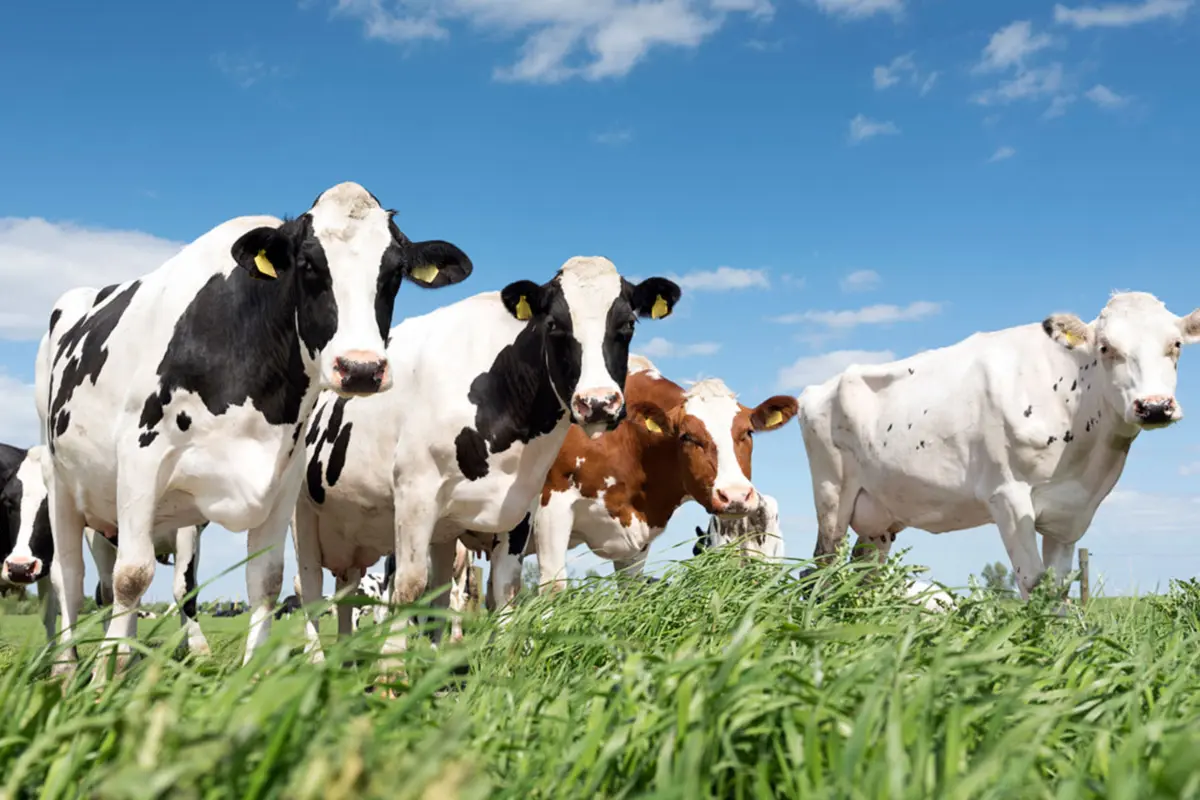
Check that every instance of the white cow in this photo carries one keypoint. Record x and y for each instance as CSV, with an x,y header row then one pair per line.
x,y
377,586
757,533
181,396
1026,427
461,448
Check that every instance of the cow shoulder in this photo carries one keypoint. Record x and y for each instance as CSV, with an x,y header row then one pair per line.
x,y
327,443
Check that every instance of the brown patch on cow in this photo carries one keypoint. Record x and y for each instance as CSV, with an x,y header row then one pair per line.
x,y
130,582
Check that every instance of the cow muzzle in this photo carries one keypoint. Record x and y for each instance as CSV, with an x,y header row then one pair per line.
x,y
597,410
21,569
1156,411
734,501
360,372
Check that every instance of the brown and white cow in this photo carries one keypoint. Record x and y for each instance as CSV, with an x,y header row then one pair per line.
x,y
616,493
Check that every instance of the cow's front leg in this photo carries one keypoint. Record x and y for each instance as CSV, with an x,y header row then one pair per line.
x,y
187,559
264,572
309,575
345,585
1059,555
48,599
1012,510
441,577
66,570
104,554
552,524
508,553
415,517
132,572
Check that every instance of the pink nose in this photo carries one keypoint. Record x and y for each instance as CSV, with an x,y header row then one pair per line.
x,y
20,569
734,500
360,372
596,405
1154,409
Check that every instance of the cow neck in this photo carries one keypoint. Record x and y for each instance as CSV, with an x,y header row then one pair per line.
x,y
656,460
1094,426
532,407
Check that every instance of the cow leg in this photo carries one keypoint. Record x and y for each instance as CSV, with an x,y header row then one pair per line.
x,y
345,585
552,524
415,517
187,557
1059,555
132,573
834,502
507,554
1012,510
66,570
264,573
308,568
633,569
875,527
104,553
49,603
459,589
441,558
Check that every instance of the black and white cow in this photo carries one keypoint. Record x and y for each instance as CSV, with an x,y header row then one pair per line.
x,y
461,449
181,396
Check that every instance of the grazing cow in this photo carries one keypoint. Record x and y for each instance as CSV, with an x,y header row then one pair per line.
x,y
289,606
757,533
378,587
616,493
462,447
181,396
1028,427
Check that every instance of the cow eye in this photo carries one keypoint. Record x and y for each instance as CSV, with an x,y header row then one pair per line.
x,y
1104,349
1178,344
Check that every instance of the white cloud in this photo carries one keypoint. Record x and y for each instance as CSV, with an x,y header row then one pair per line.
x,y
862,280
40,260
927,84
659,347
18,417
563,39
859,9
811,370
1058,106
1192,468
886,76
1002,154
1011,46
723,278
244,70
1105,97
882,314
614,137
1029,84
1121,15
862,128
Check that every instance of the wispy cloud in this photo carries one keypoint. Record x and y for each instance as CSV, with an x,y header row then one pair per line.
x,y
588,39
1105,97
244,70
658,347
1058,106
881,314
613,137
1002,154
863,128
1121,15
862,280
902,66
811,370
860,9
1011,46
723,278
1012,49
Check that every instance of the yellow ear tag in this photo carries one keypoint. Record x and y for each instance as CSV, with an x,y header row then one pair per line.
x,y
264,265
524,312
652,426
424,274
774,418
1071,338
659,309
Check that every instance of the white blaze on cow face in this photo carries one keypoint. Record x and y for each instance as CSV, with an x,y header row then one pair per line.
x,y
713,405
22,565
590,286
1136,343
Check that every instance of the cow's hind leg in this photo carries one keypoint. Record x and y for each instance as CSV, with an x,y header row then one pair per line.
x,y
508,553
309,573
66,570
187,558
49,603
1012,510
416,514
346,586
132,572
264,573
441,577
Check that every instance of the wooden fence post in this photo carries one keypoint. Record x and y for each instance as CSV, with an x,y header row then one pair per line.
x,y
1083,576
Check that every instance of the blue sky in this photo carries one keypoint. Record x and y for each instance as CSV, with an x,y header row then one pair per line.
x,y
931,168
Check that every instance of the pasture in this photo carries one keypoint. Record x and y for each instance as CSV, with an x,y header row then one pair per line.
x,y
724,680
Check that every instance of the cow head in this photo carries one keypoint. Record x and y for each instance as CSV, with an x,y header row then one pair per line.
x,y
1135,343
343,261
23,502
714,435
585,316
709,539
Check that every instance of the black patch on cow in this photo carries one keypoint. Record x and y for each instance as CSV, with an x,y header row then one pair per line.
x,y
55,316
514,401
147,438
910,426
1029,411
84,347
11,492
313,476
335,433
1068,436
183,421
470,449
921,444
337,456
103,294
1051,440
314,427
1095,361
1055,387
1073,385
890,427
518,536
926,411
189,582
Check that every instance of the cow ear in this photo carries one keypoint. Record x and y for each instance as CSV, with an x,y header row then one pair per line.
x,y
435,264
1068,330
773,413
1189,327
523,299
655,297
263,252
650,418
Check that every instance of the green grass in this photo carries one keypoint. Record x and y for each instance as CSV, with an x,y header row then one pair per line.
x,y
723,681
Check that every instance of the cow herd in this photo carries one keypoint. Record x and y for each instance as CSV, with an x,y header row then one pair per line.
x,y
252,381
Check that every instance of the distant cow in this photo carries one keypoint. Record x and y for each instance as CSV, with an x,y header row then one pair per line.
x,y
616,493
181,396
1028,427
460,449
757,533
378,588
289,606
30,553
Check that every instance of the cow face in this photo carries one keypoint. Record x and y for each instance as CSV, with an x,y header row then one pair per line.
x,y
23,502
714,434
342,261
586,317
1136,344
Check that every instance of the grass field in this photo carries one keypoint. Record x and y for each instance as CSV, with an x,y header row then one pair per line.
x,y
723,681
